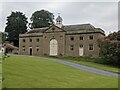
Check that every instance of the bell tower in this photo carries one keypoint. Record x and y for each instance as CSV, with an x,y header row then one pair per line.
x,y
59,21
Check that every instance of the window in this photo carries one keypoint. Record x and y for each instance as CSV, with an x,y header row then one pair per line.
x,y
23,49
45,36
91,37
61,36
30,40
37,39
71,38
81,37
23,40
91,47
81,45
71,47
53,28
37,48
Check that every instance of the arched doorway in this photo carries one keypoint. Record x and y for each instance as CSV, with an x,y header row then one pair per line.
x,y
53,47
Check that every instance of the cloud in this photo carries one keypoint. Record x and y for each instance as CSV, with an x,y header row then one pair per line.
x,y
104,15
0,16
100,14
60,0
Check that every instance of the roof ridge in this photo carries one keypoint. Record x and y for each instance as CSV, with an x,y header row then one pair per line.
x,y
40,28
78,24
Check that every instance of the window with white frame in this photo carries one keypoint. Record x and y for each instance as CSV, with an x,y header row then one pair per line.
x,y
91,37
81,37
81,45
23,40
72,38
71,47
37,48
30,40
23,48
91,47
37,40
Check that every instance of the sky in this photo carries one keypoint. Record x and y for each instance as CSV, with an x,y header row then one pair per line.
x,y
102,15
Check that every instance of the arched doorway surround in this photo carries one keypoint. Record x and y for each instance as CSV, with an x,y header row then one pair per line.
x,y
53,47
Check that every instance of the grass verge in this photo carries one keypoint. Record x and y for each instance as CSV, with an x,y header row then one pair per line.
x,y
88,62
31,72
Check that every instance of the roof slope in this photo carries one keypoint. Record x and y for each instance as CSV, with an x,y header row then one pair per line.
x,y
79,27
37,30
66,28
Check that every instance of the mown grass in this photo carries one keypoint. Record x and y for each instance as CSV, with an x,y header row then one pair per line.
x,y
0,75
31,72
88,62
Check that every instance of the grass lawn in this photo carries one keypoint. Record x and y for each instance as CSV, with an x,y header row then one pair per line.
x,y
0,75
31,72
88,62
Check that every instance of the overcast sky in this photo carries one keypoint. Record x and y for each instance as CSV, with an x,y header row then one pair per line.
x,y
100,14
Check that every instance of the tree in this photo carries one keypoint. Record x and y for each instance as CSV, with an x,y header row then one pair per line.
x,y
110,48
114,36
42,18
16,24
3,37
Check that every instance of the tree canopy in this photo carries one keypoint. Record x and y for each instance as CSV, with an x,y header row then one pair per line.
x,y
3,37
110,48
16,24
42,18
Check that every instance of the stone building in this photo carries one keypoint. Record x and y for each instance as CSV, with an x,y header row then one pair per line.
x,y
63,40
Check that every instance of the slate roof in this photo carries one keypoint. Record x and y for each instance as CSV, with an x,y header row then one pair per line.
x,y
79,27
66,28
59,18
7,45
37,30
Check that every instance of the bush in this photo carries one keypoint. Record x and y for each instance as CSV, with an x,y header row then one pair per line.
x,y
110,49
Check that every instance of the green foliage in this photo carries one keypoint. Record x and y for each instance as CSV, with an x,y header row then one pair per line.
x,y
16,24
41,19
0,75
114,36
3,37
110,48
0,37
31,72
